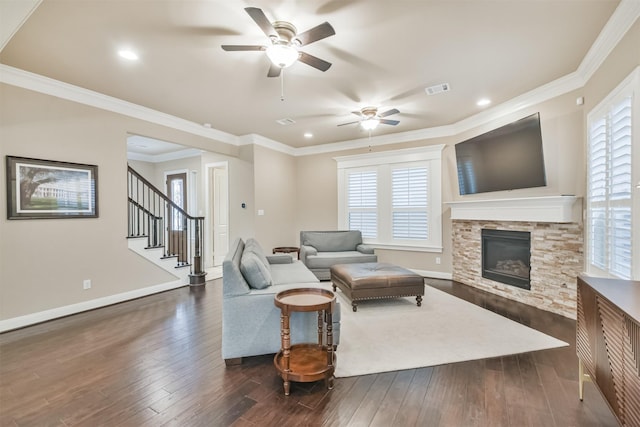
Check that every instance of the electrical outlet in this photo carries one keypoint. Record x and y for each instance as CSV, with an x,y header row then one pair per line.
x,y
86,284
438,260
260,212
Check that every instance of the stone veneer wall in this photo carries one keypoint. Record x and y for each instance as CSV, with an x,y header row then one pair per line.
x,y
556,260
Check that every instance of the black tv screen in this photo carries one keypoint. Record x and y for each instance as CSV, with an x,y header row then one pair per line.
x,y
506,158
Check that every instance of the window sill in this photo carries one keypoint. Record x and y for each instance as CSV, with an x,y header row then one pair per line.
x,y
409,248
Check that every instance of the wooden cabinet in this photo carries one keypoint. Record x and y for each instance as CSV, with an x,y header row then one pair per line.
x,y
608,343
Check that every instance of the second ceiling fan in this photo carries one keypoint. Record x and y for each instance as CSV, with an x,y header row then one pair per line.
x,y
370,119
285,42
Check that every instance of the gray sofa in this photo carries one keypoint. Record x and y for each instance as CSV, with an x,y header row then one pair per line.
x,y
319,250
250,319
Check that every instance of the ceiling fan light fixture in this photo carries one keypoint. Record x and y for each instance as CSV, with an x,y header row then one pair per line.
x,y
370,124
282,55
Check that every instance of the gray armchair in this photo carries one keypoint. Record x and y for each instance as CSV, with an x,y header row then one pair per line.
x,y
319,250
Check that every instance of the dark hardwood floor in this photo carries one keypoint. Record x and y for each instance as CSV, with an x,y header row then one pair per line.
x,y
156,361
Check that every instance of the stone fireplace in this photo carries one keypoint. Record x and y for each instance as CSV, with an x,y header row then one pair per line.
x,y
556,248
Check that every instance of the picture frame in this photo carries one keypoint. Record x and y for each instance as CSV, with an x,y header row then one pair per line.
x,y
45,189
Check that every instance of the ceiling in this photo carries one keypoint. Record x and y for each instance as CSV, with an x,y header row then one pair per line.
x,y
384,54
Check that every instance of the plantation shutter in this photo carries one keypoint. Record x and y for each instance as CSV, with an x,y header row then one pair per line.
x,y
409,188
609,193
362,202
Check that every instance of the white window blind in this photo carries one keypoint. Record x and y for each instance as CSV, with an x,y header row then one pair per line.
x,y
362,195
609,192
393,198
409,188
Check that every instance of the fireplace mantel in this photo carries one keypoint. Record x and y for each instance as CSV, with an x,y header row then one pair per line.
x,y
558,209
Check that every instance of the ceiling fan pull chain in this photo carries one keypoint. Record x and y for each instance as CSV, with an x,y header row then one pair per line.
x,y
282,85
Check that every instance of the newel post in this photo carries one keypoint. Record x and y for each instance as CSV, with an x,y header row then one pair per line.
x,y
197,275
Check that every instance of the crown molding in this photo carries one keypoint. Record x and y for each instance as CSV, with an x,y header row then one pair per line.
x,y
621,20
614,30
262,141
35,82
14,14
166,157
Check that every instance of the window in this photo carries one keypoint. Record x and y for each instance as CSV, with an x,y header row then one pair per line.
x,y
610,186
393,198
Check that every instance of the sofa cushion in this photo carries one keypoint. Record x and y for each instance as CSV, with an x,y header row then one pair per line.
x,y
294,272
327,259
254,271
252,245
332,241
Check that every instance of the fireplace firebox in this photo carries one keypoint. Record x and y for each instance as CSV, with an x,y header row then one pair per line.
x,y
506,257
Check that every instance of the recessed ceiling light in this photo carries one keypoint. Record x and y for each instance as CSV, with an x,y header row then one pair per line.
x,y
483,102
308,135
128,54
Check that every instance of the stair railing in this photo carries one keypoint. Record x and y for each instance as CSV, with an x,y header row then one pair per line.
x,y
166,225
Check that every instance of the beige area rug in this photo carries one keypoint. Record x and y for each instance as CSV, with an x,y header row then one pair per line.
x,y
395,334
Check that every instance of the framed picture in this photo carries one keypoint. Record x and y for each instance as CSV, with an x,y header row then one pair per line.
x,y
50,189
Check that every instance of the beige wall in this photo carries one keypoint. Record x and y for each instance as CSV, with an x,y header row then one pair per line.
x,y
43,262
275,194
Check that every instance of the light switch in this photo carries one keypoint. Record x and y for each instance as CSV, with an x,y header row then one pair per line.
x,y
260,212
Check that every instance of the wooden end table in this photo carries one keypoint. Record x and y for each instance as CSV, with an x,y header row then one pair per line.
x,y
287,250
306,362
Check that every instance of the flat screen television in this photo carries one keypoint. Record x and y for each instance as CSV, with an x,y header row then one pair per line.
x,y
506,158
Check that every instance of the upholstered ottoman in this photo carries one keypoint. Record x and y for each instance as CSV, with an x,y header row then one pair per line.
x,y
376,280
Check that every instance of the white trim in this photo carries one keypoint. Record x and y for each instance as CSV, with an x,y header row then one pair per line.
x,y
208,250
54,313
433,274
262,141
429,152
616,27
20,78
408,248
165,157
629,85
614,30
14,15
557,209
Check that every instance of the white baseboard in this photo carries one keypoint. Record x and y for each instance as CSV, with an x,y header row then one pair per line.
x,y
433,274
54,313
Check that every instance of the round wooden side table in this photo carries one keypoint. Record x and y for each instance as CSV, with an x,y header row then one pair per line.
x,y
306,362
287,250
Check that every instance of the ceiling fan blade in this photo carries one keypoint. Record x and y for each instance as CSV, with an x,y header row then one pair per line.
x,y
350,123
263,22
239,47
389,122
390,112
318,63
357,113
319,32
274,71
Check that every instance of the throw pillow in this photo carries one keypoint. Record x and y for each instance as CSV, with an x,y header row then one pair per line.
x,y
254,271
252,245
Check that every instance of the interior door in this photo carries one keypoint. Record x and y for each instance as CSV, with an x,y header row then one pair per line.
x,y
220,215
176,220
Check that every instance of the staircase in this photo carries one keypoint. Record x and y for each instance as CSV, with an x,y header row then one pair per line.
x,y
162,232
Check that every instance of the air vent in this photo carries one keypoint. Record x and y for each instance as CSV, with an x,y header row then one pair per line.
x,y
439,88
286,122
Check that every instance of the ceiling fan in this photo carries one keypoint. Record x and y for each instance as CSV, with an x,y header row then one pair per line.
x,y
285,42
370,119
